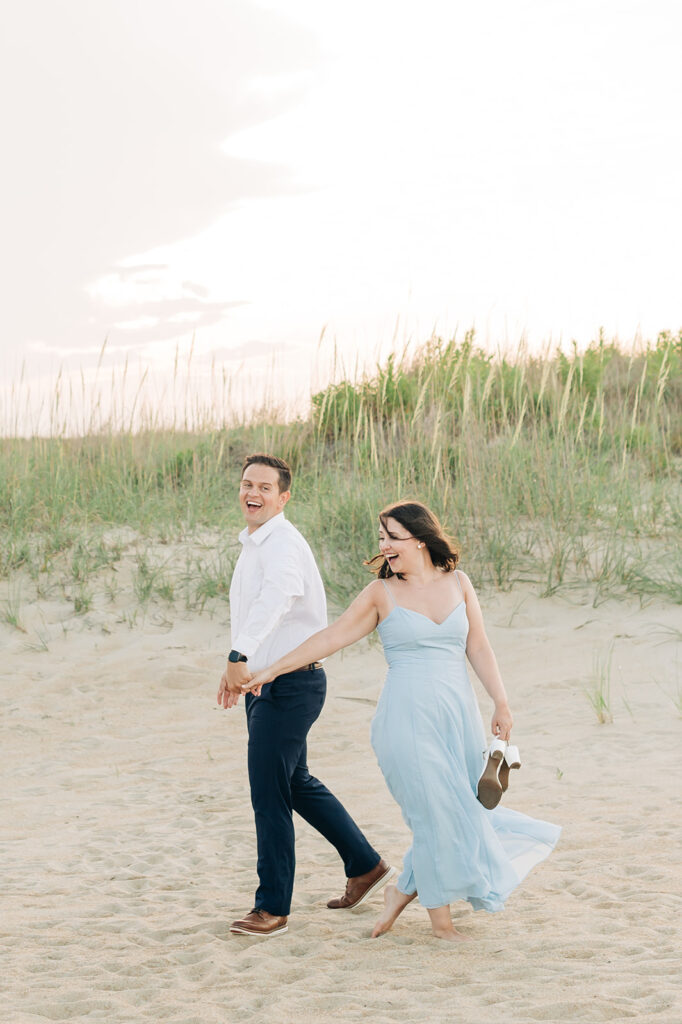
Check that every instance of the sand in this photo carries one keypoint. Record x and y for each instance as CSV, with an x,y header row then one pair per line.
x,y
128,844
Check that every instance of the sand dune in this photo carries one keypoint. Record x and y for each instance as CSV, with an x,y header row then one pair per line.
x,y
128,844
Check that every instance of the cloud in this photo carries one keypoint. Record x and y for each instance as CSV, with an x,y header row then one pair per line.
x,y
165,320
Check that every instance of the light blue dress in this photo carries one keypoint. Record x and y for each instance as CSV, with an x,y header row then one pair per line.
x,y
429,740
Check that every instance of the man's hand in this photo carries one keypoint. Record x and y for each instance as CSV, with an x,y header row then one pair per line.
x,y
234,677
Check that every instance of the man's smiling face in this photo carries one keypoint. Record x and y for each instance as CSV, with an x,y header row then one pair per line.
x,y
260,496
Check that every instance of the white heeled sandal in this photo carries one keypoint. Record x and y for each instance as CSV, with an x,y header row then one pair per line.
x,y
512,759
489,785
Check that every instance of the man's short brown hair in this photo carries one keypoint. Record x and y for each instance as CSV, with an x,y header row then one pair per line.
x,y
282,467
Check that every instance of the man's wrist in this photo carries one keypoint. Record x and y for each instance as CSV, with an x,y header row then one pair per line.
x,y
235,656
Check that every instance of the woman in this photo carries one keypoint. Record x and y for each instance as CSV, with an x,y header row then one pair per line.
x,y
427,731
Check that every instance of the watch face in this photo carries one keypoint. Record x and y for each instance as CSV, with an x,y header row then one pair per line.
x,y
233,656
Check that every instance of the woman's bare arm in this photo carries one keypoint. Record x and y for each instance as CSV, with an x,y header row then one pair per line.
x,y
358,620
484,663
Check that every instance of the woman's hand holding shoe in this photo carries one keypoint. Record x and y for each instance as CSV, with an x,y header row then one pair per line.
x,y
502,721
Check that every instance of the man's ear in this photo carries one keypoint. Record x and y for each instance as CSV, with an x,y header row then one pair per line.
x,y
283,498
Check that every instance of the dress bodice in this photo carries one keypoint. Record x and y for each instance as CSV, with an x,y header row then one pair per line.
x,y
410,636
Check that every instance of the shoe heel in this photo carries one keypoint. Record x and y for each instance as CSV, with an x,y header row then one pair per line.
x,y
512,757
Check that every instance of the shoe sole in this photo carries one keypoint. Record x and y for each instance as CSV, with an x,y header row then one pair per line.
x,y
260,935
489,795
379,884
490,789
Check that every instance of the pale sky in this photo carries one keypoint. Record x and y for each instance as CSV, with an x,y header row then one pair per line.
x,y
256,173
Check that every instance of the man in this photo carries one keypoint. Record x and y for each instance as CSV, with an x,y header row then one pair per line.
x,y
276,602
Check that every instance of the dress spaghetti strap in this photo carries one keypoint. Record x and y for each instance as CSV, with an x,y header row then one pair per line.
x,y
458,583
388,591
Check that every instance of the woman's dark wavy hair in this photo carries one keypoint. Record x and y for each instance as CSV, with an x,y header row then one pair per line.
x,y
420,522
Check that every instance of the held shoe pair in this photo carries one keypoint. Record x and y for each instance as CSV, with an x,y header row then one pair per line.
x,y
495,778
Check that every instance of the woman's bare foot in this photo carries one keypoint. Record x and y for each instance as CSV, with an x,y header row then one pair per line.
x,y
442,926
395,902
450,935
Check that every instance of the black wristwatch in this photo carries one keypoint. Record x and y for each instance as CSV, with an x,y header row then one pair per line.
x,y
236,656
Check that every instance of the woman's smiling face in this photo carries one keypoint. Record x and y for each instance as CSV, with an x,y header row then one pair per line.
x,y
398,547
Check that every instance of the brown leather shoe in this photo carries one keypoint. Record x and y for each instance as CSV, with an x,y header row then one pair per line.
x,y
259,922
361,888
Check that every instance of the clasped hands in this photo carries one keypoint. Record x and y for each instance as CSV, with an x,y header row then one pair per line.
x,y
237,679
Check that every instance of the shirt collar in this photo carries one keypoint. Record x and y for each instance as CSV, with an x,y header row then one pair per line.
x,y
263,532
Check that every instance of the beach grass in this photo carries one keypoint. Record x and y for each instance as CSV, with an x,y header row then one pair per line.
x,y
562,469
598,692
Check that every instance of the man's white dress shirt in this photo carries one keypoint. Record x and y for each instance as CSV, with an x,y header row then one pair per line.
x,y
277,599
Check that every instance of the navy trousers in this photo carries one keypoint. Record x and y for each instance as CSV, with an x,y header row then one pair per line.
x,y
278,723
